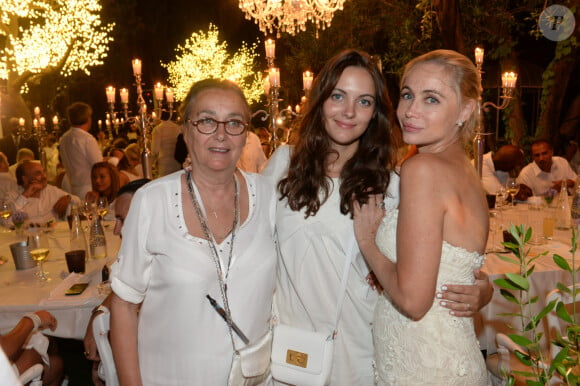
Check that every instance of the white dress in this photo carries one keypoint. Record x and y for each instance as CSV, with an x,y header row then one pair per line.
x,y
312,257
181,338
439,349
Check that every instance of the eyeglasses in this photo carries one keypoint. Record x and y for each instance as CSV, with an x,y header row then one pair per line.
x,y
210,125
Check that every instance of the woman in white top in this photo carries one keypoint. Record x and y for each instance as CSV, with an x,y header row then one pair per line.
x,y
204,231
344,150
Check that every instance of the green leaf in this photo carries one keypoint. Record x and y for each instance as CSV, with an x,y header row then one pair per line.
x,y
549,307
562,263
563,313
508,258
563,288
507,295
504,283
520,339
518,280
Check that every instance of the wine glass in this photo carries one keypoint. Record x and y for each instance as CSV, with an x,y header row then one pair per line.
x,y
495,226
89,206
38,247
102,206
513,187
6,209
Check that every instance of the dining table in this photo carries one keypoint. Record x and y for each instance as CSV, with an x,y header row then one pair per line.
x,y
21,291
494,317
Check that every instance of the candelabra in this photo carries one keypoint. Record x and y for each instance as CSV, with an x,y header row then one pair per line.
x,y
142,119
508,86
274,115
38,132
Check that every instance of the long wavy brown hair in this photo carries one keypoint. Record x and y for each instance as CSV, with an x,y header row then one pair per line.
x,y
367,172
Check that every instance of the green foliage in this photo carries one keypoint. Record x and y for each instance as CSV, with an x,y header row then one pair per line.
x,y
515,288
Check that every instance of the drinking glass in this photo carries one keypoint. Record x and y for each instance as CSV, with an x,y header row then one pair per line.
x,y
6,209
89,206
513,187
102,206
500,197
495,226
38,246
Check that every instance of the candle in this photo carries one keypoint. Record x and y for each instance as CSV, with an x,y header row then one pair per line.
x,y
508,79
303,100
274,77
297,109
124,96
169,95
42,121
153,115
110,91
107,123
136,67
116,121
37,110
21,122
55,120
35,122
479,56
307,77
100,123
158,92
270,48
266,84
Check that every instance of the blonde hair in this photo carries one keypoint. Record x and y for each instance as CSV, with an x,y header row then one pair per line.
x,y
467,82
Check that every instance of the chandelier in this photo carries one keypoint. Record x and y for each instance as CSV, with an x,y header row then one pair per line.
x,y
290,15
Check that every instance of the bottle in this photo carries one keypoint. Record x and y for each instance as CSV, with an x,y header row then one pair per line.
x,y
98,243
575,213
563,209
78,240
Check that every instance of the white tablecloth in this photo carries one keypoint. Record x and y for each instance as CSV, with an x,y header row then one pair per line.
x,y
20,292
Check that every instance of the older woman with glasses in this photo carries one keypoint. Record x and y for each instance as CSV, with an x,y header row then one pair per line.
x,y
195,242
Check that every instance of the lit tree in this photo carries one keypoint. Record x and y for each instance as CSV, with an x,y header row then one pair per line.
x,y
204,56
45,37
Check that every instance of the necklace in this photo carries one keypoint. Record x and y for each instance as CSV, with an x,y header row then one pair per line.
x,y
211,242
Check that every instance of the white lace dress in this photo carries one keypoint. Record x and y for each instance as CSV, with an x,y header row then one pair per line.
x,y
439,349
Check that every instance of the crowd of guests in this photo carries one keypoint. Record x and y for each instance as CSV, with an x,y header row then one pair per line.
x,y
271,246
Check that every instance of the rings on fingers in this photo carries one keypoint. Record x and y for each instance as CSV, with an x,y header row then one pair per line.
x,y
381,205
86,353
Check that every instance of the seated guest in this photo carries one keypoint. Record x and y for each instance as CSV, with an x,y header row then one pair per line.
x,y
496,167
105,183
133,157
24,347
122,203
253,157
41,201
23,154
7,182
546,171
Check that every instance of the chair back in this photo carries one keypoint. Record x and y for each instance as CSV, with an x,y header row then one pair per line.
x,y
33,375
557,326
101,327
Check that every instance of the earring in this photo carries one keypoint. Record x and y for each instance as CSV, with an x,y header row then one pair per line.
x,y
460,124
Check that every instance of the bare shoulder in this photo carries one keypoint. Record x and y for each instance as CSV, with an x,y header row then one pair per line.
x,y
425,167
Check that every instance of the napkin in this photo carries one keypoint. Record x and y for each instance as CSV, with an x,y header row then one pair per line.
x,y
57,296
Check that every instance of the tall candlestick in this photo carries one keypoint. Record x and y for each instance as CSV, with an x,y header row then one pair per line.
x,y
124,95
508,79
158,89
274,77
136,67
266,84
110,91
169,95
270,48
307,77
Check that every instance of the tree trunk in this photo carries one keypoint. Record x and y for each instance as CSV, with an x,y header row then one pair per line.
x,y
449,23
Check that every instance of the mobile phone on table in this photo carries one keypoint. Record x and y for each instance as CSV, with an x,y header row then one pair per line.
x,y
76,289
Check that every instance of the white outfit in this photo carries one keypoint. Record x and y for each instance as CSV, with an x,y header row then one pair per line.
x,y
7,184
79,150
253,157
164,138
181,339
39,209
439,349
539,181
492,180
313,251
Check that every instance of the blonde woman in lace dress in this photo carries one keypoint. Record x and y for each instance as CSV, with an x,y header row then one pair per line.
x,y
437,236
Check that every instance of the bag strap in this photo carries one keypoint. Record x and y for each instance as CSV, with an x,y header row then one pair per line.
x,y
348,257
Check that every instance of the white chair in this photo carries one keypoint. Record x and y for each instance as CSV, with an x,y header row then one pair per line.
x,y
505,361
101,327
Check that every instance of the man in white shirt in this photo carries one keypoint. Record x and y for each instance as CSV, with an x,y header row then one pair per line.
x,y
42,202
546,171
79,150
163,146
496,167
